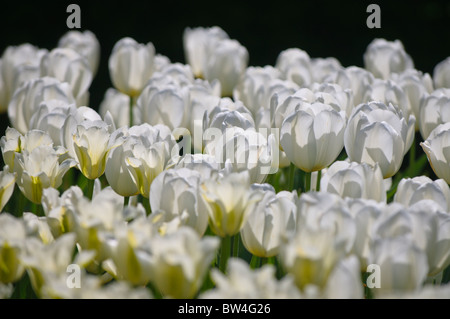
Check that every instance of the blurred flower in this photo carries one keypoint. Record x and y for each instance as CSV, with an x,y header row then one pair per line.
x,y
322,67
38,169
85,43
118,105
67,65
12,241
357,180
313,136
270,220
180,261
28,97
241,282
20,64
177,191
412,190
434,110
195,41
226,61
131,65
344,281
227,200
384,57
441,78
295,65
7,182
436,146
379,133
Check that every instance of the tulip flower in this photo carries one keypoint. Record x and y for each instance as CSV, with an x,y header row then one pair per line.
x,y
434,110
413,190
28,97
180,261
270,219
195,41
20,64
39,169
441,79
177,191
118,105
69,66
241,282
85,43
436,147
7,182
295,65
322,67
354,180
313,136
384,57
131,65
378,133
12,241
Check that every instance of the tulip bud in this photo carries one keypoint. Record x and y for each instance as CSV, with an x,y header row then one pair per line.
x,y
434,110
295,65
441,77
131,66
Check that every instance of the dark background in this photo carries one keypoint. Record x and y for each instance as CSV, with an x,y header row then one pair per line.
x,y
265,28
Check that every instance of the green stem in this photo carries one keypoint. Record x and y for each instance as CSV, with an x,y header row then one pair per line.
x,y
131,111
412,158
225,251
126,200
236,245
37,209
255,262
307,181
291,176
319,176
90,188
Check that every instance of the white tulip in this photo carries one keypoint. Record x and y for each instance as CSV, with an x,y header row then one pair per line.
x,y
226,61
384,57
29,96
344,281
272,218
204,164
7,182
118,105
85,43
180,261
313,136
434,110
241,282
195,41
413,190
12,240
441,76
436,147
67,65
379,133
322,67
354,180
177,191
131,65
295,65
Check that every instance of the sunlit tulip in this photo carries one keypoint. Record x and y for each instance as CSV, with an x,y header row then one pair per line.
x,y
180,261
85,43
322,67
204,164
226,60
313,136
20,64
39,169
227,200
194,42
67,65
441,77
295,65
7,181
241,282
92,143
131,65
379,133
177,191
354,180
436,147
403,267
413,190
272,218
384,57
29,96
434,110
118,105
12,240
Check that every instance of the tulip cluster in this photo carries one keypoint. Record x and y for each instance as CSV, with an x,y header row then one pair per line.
x,y
216,179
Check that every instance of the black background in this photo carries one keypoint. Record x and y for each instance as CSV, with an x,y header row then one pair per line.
x,y
265,28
